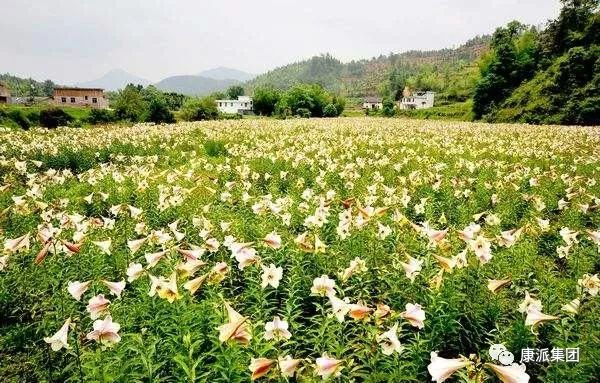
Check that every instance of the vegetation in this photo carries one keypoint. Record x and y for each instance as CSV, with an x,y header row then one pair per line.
x,y
548,76
198,109
355,250
20,87
54,117
234,91
135,103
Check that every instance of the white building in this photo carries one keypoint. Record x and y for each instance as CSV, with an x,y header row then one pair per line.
x,y
372,103
417,100
243,105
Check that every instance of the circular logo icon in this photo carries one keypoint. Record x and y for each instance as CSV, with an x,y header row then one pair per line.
x,y
506,358
495,350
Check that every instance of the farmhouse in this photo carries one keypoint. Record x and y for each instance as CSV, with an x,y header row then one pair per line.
x,y
243,105
372,103
89,97
4,94
417,100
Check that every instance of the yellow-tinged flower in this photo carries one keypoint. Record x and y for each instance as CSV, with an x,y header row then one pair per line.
x,y
168,289
260,367
237,328
496,284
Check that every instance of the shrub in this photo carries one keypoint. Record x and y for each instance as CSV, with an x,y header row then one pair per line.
x,y
199,109
54,117
101,116
19,118
303,112
330,111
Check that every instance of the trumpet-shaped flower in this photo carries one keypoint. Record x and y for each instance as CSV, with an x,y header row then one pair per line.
x,y
414,314
288,365
60,339
412,268
441,369
116,288
277,329
271,275
97,306
105,331
389,341
237,328
167,289
77,289
323,286
260,367
515,373
134,271
326,366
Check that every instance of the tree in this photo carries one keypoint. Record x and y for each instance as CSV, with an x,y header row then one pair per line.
x,y
311,97
389,107
264,100
195,109
157,109
129,104
235,91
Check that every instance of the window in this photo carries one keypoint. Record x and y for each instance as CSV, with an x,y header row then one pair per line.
x,y
86,98
72,100
63,99
94,100
231,104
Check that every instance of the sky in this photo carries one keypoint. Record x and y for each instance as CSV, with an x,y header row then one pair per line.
x,y
72,41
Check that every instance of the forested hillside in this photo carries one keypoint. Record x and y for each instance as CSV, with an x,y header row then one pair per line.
x,y
27,87
438,70
547,76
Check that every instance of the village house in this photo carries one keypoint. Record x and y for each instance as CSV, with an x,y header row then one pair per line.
x,y
417,100
243,105
88,97
372,103
4,94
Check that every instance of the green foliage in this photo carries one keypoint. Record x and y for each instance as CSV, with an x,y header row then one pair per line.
x,y
101,116
550,76
129,104
234,91
307,100
27,87
389,108
198,109
54,117
157,106
330,111
265,99
137,104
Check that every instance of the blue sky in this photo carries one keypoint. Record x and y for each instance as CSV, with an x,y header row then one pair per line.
x,y
77,40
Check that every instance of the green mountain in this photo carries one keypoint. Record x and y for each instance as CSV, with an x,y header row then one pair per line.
x,y
549,76
193,85
379,75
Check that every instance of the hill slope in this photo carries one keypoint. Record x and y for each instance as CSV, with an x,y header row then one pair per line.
x,y
114,80
364,77
223,73
193,85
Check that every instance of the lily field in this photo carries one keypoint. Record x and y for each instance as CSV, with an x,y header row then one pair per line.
x,y
346,250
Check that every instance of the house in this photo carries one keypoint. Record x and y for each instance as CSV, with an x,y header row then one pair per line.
x,y
417,100
88,97
4,94
372,103
243,105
